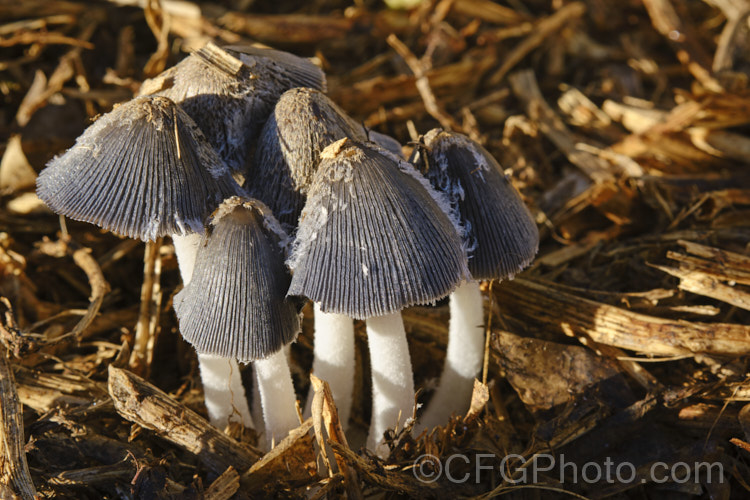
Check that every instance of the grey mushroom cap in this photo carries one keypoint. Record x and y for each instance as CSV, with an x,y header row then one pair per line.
x,y
500,232
373,237
386,141
230,92
143,170
235,304
302,124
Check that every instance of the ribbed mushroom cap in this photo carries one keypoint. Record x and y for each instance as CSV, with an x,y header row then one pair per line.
x,y
386,141
302,124
373,237
235,304
501,235
230,92
142,170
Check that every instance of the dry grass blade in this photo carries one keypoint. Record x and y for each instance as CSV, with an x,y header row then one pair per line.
x,y
16,479
142,403
330,417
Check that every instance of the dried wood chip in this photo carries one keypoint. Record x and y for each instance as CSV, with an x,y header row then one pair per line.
x,y
15,172
224,487
287,460
146,405
16,479
544,304
546,374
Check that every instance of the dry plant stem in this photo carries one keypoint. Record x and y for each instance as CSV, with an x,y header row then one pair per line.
x,y
146,405
148,314
222,382
16,479
423,84
392,379
463,359
326,413
276,396
333,360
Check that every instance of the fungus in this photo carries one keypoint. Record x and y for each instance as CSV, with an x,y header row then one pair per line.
x,y
374,238
230,92
145,170
501,238
233,307
302,124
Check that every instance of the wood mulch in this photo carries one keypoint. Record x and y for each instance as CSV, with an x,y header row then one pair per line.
x,y
626,127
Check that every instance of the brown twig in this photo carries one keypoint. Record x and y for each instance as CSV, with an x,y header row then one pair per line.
x,y
544,28
148,317
423,84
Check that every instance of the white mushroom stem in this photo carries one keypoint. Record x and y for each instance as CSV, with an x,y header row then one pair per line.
x,y
463,359
392,379
223,391
222,381
276,396
333,360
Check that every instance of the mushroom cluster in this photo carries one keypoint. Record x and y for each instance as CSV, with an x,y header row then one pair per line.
x,y
272,196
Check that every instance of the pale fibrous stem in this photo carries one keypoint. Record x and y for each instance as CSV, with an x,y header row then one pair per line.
x,y
463,359
392,378
333,359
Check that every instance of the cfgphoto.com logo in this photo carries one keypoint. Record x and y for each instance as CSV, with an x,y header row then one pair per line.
x,y
517,469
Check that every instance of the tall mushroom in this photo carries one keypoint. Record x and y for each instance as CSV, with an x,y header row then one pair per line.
x,y
502,239
234,306
303,123
143,170
229,92
375,238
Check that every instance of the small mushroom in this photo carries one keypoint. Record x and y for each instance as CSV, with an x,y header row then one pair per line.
x,y
374,238
230,92
234,307
234,304
501,238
